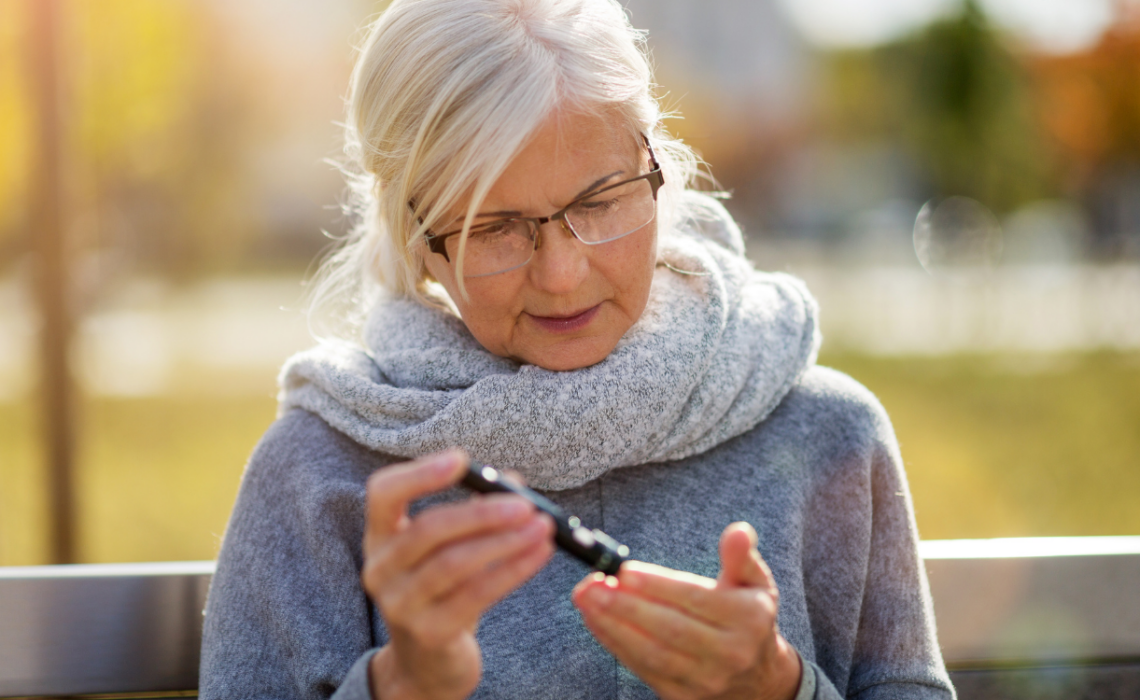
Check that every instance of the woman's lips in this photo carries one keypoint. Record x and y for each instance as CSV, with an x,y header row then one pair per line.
x,y
566,324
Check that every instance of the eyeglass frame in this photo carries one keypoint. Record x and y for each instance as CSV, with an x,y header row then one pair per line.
x,y
437,242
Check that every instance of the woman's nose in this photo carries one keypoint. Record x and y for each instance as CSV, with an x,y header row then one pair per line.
x,y
561,262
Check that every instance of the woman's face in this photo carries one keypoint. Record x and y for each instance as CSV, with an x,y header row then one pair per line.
x,y
568,307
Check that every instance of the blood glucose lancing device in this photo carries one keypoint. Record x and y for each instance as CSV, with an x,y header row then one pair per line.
x,y
594,547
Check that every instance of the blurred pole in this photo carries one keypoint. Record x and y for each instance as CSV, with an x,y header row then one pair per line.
x,y
51,278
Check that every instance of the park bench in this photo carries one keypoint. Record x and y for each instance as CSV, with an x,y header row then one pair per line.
x,y
1018,618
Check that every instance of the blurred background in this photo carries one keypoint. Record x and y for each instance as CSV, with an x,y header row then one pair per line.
x,y
958,181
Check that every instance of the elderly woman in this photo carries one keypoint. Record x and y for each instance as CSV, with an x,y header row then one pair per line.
x,y
538,289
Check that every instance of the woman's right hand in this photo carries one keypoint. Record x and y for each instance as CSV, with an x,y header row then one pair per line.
x,y
433,576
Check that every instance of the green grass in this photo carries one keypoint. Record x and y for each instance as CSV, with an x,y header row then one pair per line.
x,y
155,477
1015,447
994,446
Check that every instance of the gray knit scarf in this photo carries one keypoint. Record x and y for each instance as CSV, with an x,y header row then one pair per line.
x,y
712,355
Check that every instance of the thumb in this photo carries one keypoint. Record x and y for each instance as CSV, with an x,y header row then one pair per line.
x,y
740,563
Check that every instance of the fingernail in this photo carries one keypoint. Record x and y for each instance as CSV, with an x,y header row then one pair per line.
x,y
512,508
442,463
630,579
600,596
548,526
535,528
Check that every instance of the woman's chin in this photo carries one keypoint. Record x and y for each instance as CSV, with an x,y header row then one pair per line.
x,y
570,354
563,350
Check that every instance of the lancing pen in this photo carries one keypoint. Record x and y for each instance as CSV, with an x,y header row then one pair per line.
x,y
594,547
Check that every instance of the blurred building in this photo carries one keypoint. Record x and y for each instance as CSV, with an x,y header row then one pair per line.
x,y
743,53
743,80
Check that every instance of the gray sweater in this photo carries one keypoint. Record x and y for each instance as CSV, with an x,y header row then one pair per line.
x,y
820,479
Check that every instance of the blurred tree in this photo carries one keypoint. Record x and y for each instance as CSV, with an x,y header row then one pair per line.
x,y
15,129
1090,106
159,124
959,102
160,127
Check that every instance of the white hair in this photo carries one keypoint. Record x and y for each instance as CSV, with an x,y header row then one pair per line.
x,y
444,95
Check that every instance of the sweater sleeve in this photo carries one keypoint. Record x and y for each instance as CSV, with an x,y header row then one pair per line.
x,y
286,616
873,616
896,646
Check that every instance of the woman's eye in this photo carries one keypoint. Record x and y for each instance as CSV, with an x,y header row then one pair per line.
x,y
598,206
490,230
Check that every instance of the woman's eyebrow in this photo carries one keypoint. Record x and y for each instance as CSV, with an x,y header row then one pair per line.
x,y
598,183
593,186
498,214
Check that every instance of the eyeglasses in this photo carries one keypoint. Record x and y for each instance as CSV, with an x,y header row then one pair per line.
x,y
605,215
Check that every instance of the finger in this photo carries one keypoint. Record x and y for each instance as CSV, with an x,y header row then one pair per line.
x,y
453,567
442,525
663,686
463,608
645,655
741,564
391,559
694,594
667,625
390,489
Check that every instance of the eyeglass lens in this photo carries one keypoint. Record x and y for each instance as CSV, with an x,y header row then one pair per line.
x,y
602,217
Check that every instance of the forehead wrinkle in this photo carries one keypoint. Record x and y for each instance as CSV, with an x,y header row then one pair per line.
x,y
562,147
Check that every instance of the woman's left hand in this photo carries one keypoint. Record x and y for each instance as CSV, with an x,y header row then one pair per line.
x,y
688,636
